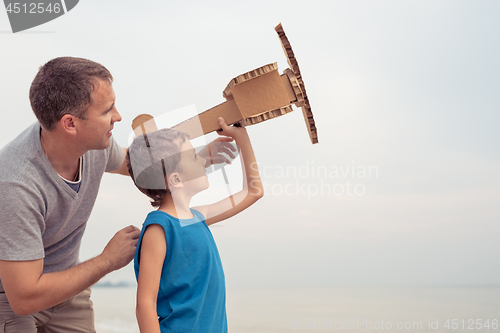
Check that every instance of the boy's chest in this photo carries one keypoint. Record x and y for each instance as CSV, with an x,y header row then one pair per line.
x,y
194,242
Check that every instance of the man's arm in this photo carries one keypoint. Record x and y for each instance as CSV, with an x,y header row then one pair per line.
x,y
29,290
123,170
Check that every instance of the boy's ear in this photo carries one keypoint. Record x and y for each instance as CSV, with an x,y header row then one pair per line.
x,y
174,180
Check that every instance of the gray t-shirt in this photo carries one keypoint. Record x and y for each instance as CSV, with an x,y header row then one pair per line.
x,y
41,216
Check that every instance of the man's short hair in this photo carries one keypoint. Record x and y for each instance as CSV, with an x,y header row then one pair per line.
x,y
64,86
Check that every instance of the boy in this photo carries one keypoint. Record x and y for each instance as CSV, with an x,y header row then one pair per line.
x,y
180,278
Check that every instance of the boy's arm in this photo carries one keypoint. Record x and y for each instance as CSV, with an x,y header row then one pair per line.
x,y
153,250
252,186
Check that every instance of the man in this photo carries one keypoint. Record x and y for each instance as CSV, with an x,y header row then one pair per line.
x,y
49,180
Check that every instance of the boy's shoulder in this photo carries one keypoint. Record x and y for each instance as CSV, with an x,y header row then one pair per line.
x,y
156,216
165,219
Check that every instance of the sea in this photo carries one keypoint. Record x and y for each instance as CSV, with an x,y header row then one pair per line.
x,y
356,309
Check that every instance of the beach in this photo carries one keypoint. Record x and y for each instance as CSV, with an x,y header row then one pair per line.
x,y
363,309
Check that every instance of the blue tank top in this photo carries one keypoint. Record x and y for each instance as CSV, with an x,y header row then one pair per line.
x,y
192,292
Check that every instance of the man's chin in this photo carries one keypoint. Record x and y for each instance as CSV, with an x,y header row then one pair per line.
x,y
103,145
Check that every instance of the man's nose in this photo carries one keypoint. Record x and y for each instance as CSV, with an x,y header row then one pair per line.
x,y
117,117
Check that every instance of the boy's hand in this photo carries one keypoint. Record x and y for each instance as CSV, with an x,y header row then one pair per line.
x,y
231,131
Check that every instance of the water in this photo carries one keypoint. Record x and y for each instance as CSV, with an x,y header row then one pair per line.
x,y
114,310
418,309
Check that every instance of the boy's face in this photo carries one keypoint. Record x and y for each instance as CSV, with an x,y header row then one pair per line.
x,y
192,169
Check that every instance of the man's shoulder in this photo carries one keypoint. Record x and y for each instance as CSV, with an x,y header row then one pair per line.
x,y
18,155
21,146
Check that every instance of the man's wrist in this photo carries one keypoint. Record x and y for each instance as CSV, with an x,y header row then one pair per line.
x,y
103,264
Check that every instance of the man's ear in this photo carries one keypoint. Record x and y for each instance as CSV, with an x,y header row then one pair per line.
x,y
174,181
67,123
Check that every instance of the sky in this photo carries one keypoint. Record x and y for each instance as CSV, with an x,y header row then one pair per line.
x,y
403,187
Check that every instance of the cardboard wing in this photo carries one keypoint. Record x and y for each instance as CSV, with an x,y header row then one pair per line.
x,y
251,98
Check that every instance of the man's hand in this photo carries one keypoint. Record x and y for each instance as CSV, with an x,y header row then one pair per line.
x,y
120,250
213,152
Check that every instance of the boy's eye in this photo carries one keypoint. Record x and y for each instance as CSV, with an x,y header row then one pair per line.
x,y
195,156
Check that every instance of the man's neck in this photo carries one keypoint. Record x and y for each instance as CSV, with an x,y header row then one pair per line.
x,y
62,155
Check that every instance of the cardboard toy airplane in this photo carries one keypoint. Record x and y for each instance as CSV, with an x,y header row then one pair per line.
x,y
251,98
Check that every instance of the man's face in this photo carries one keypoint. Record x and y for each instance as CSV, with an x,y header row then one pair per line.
x,y
95,130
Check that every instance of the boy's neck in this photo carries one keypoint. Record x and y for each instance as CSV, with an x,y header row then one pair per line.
x,y
175,206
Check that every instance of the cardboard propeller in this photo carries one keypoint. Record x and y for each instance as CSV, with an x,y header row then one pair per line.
x,y
251,98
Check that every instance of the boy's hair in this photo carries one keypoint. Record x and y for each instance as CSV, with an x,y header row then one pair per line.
x,y
153,156
64,86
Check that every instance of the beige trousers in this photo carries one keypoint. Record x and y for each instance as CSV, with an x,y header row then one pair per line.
x,y
73,315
